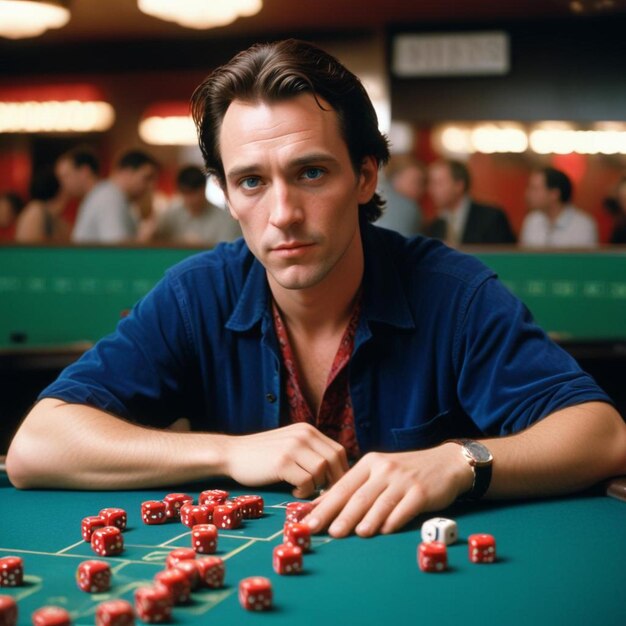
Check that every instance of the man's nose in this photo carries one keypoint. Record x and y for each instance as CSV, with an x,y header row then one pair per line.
x,y
285,205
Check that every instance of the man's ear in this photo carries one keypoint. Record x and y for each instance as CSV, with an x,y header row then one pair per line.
x,y
368,179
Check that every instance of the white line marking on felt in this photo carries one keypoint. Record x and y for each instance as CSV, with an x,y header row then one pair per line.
x,y
211,601
239,549
74,545
166,543
67,556
37,583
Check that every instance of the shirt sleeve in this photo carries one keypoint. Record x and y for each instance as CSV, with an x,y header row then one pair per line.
x,y
509,373
143,371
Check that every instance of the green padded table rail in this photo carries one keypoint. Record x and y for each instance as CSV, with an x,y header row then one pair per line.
x,y
72,296
559,561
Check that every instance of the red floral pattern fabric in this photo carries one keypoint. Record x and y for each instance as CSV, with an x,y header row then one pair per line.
x,y
336,417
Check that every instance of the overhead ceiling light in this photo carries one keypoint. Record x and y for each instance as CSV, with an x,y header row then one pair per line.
x,y
54,109
200,14
31,18
168,124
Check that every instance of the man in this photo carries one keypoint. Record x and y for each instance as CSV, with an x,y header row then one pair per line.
x,y
192,220
320,339
460,220
105,215
402,188
78,172
553,222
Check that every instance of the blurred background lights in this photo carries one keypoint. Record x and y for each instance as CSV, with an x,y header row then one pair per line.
x,y
55,116
31,18
200,14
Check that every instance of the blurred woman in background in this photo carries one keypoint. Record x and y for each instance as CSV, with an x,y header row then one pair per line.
x,y
10,206
41,221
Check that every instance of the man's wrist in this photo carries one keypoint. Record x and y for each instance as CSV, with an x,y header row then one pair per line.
x,y
464,471
480,461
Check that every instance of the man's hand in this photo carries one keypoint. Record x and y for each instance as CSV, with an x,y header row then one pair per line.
x,y
298,454
383,492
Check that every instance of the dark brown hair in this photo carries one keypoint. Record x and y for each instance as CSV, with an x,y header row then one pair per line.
x,y
279,71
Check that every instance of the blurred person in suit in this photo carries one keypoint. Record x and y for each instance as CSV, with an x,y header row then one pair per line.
x,y
461,220
553,222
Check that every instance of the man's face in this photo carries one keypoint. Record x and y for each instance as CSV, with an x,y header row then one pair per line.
x,y
445,192
538,196
194,200
291,185
410,182
71,178
140,181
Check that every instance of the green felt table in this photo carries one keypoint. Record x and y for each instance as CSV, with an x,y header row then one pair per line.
x,y
560,561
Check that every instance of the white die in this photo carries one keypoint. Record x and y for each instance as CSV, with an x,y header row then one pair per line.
x,y
440,529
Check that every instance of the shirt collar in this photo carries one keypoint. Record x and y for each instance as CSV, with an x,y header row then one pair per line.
x,y
384,299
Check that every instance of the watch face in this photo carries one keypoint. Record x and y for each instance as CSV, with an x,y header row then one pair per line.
x,y
478,452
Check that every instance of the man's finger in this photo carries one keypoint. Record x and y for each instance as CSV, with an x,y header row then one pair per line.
x,y
336,456
329,505
379,512
411,505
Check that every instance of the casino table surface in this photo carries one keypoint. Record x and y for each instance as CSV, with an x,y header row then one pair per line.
x,y
560,561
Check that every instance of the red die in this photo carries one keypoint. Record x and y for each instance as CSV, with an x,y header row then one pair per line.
x,y
204,538
11,571
251,506
227,516
287,559
432,556
211,571
115,613
214,496
297,511
297,534
114,517
93,576
192,514
107,541
173,502
255,594
177,583
190,569
8,611
153,512
237,509
153,604
482,548
89,524
178,555
51,616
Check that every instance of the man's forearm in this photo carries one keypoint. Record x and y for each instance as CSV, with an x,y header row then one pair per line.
x,y
569,450
78,447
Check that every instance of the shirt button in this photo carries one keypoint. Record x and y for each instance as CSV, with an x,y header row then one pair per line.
x,y
270,397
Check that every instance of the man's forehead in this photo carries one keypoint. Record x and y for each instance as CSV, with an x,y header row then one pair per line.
x,y
297,124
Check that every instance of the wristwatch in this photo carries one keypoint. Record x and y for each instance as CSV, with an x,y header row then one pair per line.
x,y
480,460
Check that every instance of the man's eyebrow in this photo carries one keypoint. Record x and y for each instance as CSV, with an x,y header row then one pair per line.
x,y
301,161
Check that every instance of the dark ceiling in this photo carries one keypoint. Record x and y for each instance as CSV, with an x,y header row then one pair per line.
x,y
121,19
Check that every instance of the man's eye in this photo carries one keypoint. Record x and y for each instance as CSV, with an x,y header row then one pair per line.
x,y
313,173
251,182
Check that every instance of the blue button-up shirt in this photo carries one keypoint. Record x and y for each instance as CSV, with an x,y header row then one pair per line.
x,y
442,350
